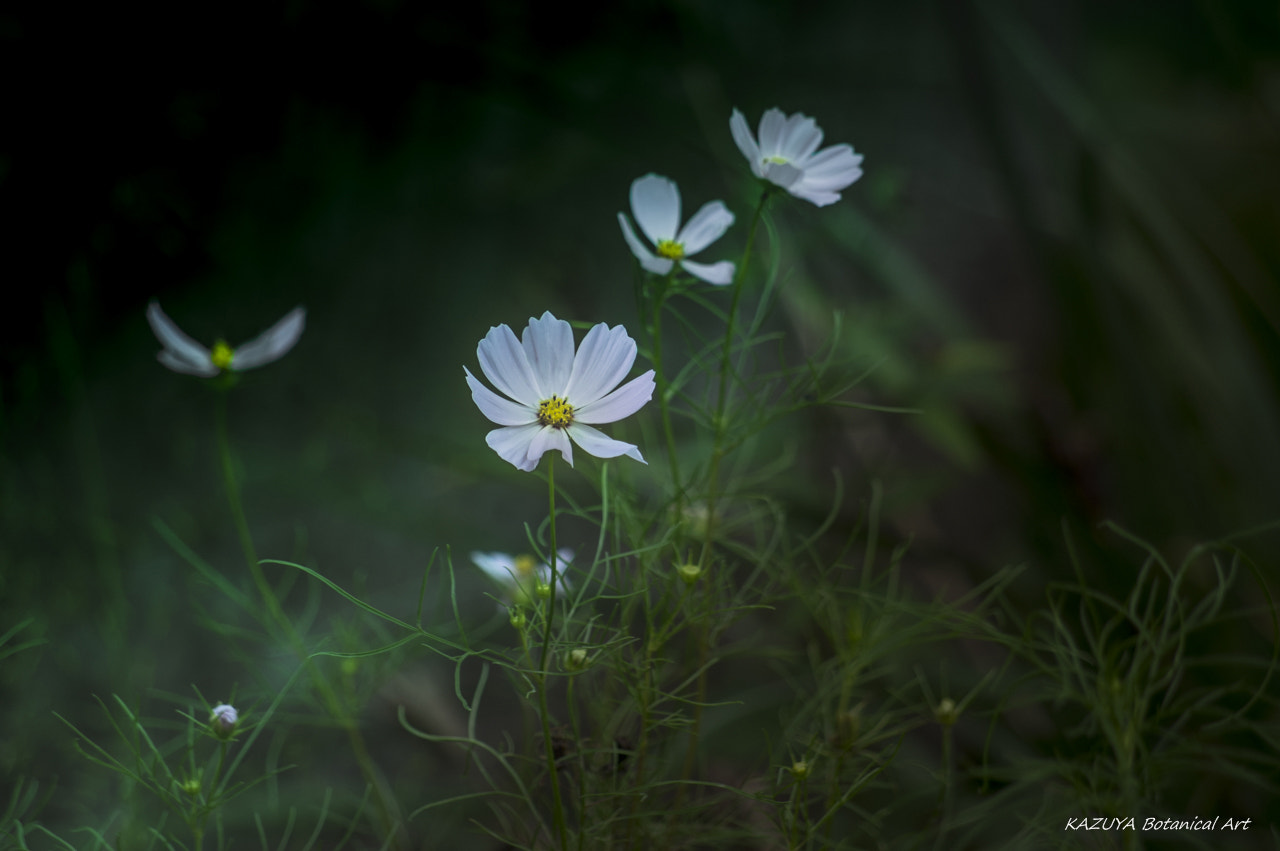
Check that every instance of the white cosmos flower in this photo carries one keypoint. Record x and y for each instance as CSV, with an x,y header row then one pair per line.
x,y
655,202
523,573
785,156
558,395
183,354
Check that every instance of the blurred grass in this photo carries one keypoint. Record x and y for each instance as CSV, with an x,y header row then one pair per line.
x,y
1063,252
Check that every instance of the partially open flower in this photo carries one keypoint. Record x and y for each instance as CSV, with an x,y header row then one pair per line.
x,y
183,354
787,155
558,394
523,575
655,202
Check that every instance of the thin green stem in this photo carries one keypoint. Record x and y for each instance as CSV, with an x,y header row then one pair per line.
x,y
664,395
557,812
718,424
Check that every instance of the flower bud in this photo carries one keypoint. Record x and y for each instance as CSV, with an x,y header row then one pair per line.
x,y
947,712
689,573
577,659
518,620
223,720
799,769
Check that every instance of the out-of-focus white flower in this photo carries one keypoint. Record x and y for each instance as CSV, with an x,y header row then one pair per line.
x,y
183,354
655,203
523,575
558,395
223,719
786,156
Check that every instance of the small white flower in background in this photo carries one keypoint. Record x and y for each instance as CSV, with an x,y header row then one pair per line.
x,y
223,718
183,354
786,156
655,203
523,573
558,395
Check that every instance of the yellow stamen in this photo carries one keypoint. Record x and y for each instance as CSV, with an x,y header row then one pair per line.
x,y
222,355
670,249
555,412
777,159
524,565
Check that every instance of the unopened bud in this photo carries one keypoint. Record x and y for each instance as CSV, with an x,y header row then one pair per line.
x,y
223,720
947,713
689,573
799,769
577,659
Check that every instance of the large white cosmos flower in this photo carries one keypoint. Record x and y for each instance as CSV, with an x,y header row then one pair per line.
x,y
183,354
785,156
558,395
655,202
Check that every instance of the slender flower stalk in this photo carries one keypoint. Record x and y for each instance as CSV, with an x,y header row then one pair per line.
x,y
664,392
557,813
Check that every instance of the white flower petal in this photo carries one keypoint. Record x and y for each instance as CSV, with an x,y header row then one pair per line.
x,y
548,343
271,344
500,566
800,138
706,226
564,556
204,368
183,349
600,445
772,125
814,177
497,409
817,198
504,363
623,402
713,273
648,261
783,174
603,359
832,169
655,203
512,444
743,139
547,440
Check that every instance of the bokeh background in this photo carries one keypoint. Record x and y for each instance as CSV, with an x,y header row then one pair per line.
x,y
1064,252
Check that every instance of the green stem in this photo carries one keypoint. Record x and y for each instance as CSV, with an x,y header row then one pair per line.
x,y
664,394
386,806
557,813
722,393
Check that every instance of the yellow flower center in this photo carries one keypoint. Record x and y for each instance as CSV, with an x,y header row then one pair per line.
x,y
524,565
222,355
555,412
777,159
670,249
